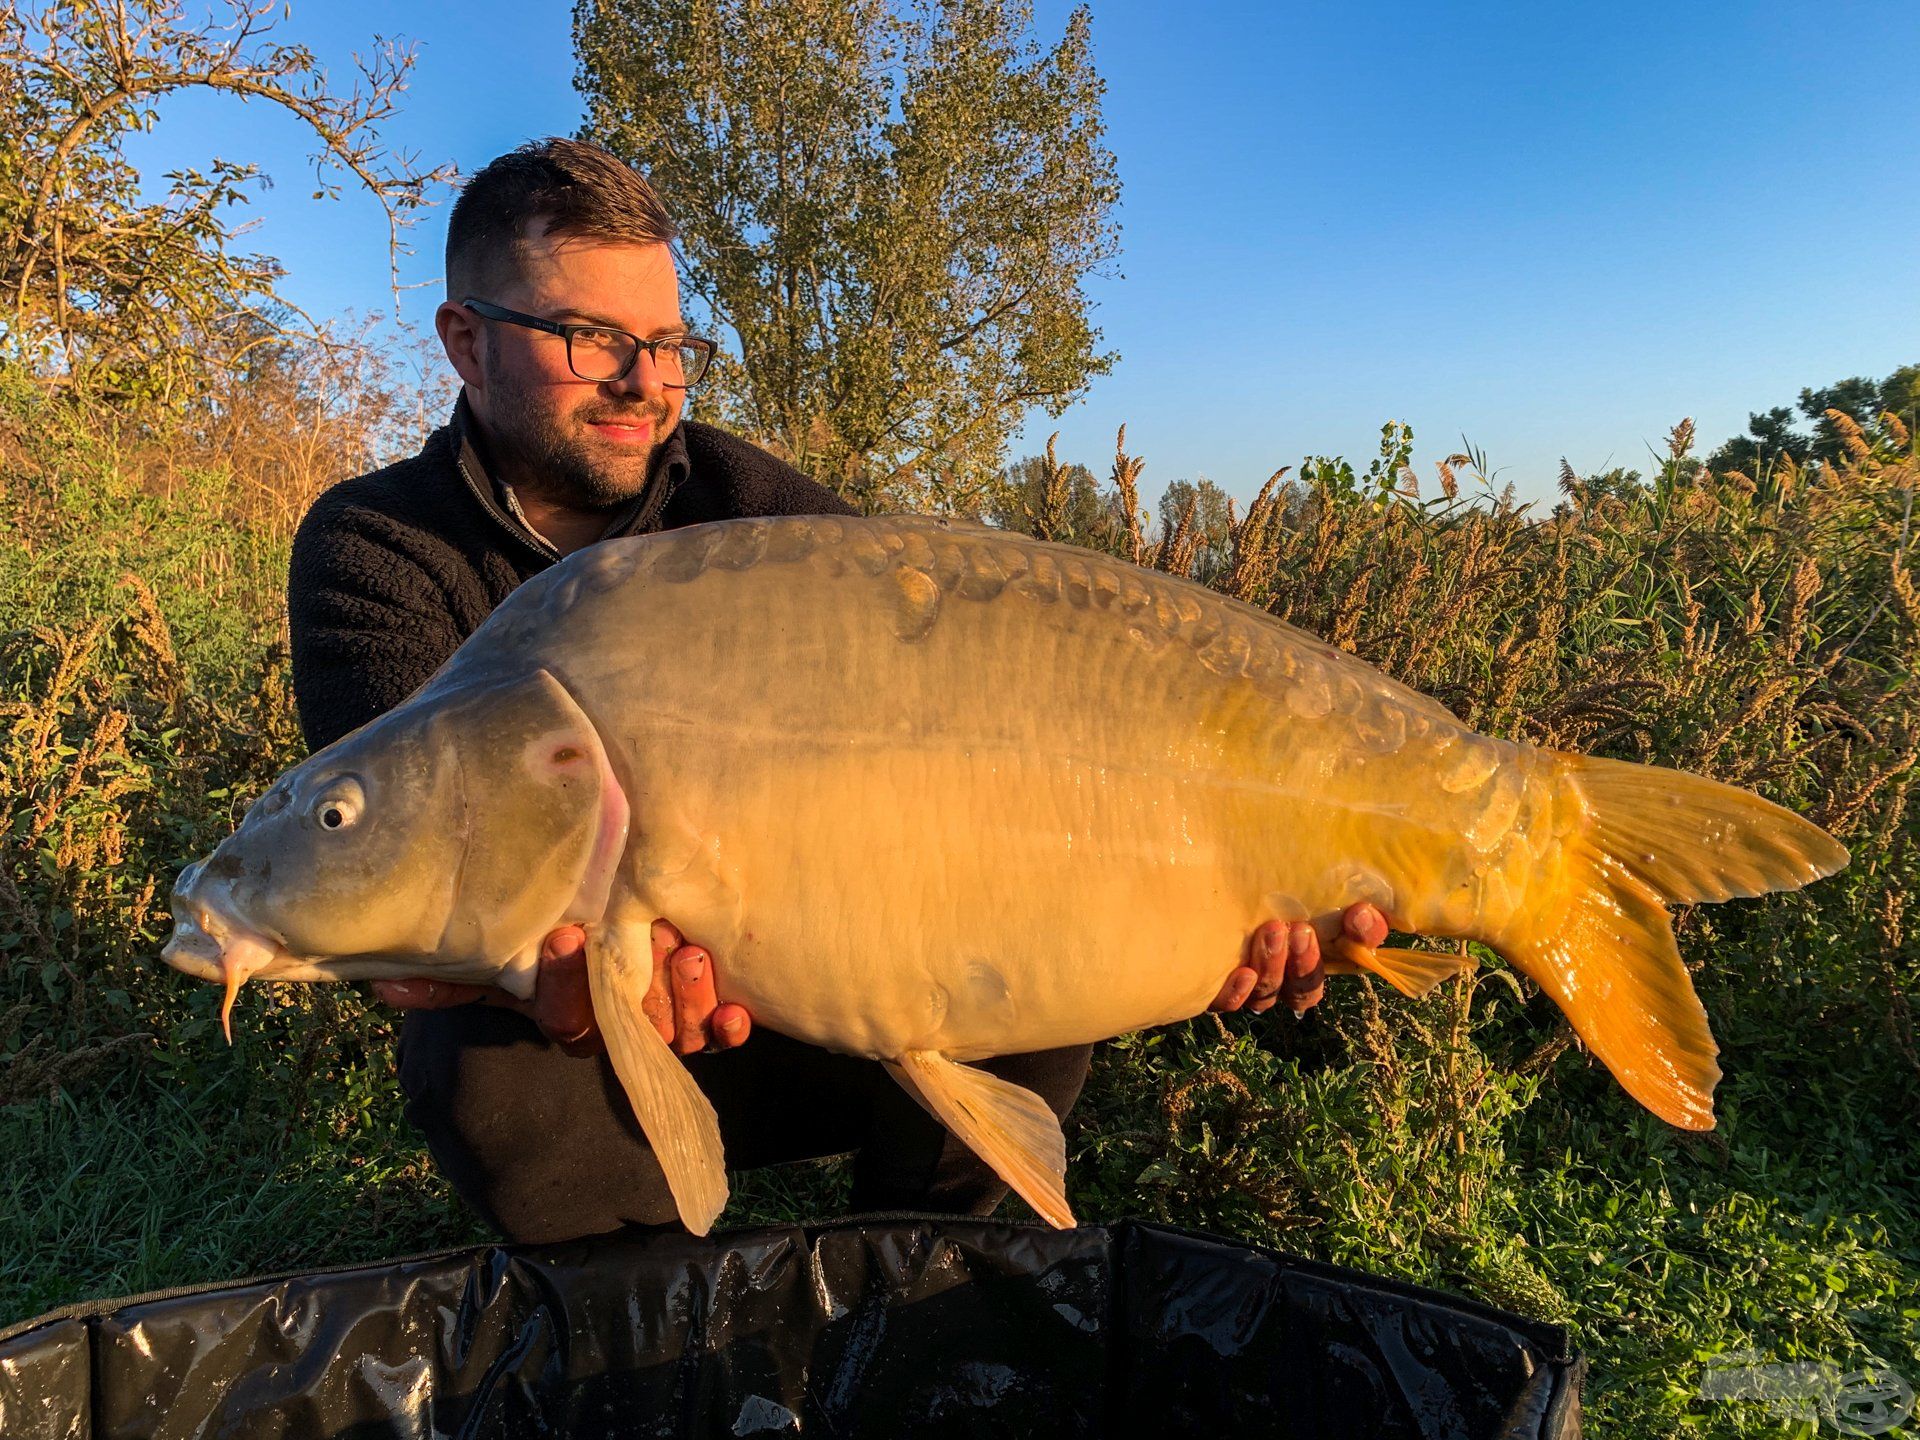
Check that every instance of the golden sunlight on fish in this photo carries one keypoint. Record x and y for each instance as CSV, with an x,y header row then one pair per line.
x,y
860,759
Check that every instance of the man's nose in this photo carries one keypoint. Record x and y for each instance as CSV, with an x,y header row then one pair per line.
x,y
642,379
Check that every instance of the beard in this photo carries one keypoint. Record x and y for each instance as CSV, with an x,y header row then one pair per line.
x,y
548,454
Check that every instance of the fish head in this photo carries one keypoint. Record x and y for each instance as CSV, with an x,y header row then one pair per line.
x,y
447,836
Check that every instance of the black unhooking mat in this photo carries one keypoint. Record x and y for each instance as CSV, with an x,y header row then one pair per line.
x,y
895,1327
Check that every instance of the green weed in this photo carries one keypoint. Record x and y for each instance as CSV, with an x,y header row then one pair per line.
x,y
1762,631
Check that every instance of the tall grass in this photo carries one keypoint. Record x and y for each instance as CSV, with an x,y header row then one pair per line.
x,y
1761,630
1764,632
143,702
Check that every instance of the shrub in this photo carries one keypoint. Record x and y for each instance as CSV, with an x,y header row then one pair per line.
x,y
1767,635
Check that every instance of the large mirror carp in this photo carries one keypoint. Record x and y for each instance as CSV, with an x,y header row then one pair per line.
x,y
932,792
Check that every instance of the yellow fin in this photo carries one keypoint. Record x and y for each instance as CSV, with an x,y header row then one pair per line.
x,y
1689,838
677,1117
1005,1124
1412,972
1609,961
1606,954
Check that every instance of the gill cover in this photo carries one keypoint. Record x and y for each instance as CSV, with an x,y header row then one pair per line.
x,y
545,818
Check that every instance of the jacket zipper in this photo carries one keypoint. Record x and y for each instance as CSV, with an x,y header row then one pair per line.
x,y
654,506
506,522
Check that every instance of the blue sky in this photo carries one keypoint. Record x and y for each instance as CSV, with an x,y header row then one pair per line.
x,y
1554,228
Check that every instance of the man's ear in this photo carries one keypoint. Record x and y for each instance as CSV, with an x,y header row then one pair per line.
x,y
460,337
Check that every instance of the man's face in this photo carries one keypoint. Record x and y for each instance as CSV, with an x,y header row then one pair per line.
x,y
574,442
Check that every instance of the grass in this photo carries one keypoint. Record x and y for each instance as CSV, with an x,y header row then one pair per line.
x,y
1763,630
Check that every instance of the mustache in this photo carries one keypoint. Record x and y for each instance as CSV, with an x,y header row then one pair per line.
x,y
657,414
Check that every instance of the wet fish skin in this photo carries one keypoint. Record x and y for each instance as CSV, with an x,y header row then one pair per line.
x,y
933,792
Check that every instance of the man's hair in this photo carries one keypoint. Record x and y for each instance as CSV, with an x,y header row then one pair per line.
x,y
579,189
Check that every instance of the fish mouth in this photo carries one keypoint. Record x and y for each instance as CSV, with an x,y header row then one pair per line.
x,y
209,944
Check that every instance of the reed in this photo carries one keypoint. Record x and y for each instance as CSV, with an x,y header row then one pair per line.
x,y
1761,629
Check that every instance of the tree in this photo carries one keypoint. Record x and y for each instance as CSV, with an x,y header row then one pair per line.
x,y
1865,401
1768,438
105,292
1196,517
1900,397
888,213
1389,475
1040,496
1857,397
1772,436
1588,493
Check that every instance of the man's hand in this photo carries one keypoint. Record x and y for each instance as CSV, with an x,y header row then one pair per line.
x,y
681,1003
1283,962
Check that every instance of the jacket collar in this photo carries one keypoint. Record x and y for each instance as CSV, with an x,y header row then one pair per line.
x,y
665,474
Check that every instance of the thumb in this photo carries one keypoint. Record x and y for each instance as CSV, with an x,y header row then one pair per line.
x,y
563,998
569,942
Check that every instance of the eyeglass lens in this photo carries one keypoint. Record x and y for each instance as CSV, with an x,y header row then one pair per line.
x,y
606,354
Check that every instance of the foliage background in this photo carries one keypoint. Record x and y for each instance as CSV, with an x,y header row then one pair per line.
x,y
1766,634
889,210
1752,616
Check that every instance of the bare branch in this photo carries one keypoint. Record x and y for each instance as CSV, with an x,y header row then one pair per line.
x,y
85,73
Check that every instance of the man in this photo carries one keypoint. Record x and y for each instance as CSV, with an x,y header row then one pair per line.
x,y
563,321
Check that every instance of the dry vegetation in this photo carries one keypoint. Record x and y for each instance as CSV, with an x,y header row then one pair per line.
x,y
164,421
1764,631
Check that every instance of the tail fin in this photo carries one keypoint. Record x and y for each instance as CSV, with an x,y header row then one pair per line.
x,y
1654,837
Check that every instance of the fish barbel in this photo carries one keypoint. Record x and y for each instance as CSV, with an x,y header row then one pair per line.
x,y
933,792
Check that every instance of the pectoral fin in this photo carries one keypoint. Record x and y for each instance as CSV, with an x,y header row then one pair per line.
x,y
677,1118
1411,972
1006,1125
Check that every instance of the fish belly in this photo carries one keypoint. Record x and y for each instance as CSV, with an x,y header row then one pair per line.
x,y
966,795
976,903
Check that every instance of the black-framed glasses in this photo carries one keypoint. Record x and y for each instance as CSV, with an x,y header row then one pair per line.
x,y
601,353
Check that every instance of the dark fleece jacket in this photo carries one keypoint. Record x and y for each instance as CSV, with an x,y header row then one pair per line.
x,y
391,571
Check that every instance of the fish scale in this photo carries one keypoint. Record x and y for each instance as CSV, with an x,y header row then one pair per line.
x,y
932,792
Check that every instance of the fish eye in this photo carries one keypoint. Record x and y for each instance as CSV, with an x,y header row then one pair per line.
x,y
338,806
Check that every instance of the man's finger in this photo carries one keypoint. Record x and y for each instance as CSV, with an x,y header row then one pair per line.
x,y
1306,972
1365,925
563,998
569,942
1234,993
693,998
731,1026
657,1006
1270,958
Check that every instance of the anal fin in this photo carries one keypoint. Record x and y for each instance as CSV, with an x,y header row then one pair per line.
x,y
678,1119
1412,972
1006,1125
